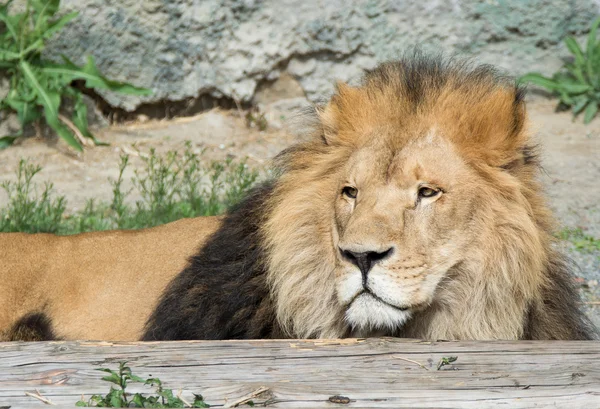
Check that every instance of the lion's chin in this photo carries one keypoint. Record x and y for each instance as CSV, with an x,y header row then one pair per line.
x,y
368,314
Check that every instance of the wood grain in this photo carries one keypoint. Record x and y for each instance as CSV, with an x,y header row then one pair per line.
x,y
373,373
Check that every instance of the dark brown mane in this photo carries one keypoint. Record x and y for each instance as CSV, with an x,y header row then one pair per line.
x,y
222,294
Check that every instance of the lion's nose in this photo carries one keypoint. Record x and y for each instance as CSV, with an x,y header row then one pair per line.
x,y
365,260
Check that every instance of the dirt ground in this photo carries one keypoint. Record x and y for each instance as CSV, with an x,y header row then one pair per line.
x,y
570,153
218,134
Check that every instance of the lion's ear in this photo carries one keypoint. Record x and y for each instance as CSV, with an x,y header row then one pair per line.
x,y
328,116
507,134
494,130
338,112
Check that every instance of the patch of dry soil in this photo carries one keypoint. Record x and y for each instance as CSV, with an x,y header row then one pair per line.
x,y
570,153
82,176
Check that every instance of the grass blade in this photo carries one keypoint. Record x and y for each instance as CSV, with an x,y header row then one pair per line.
x,y
81,122
47,102
565,98
592,48
59,24
65,134
51,102
573,46
93,78
591,40
540,80
38,45
4,17
580,106
590,112
9,55
44,9
80,117
574,88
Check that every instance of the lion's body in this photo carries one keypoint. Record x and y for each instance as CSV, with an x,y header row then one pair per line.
x,y
413,209
96,285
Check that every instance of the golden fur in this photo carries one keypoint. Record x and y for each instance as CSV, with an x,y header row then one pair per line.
x,y
411,209
100,286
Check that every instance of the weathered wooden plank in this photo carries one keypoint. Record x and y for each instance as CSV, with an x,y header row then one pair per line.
x,y
374,373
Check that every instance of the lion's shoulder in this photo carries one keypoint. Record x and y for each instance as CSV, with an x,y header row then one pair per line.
x,y
222,293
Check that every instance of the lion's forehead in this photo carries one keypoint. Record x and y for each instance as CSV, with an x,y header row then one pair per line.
x,y
430,158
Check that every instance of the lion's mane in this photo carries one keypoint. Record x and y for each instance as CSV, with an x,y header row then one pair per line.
x,y
269,272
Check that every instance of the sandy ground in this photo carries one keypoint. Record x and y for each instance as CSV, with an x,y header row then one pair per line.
x,y
219,134
570,153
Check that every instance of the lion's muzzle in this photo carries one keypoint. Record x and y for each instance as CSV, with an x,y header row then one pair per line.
x,y
365,260
381,289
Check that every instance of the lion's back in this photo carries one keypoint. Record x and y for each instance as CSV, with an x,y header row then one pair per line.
x,y
100,285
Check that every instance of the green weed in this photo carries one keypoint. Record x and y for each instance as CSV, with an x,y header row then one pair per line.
x,y
119,397
175,186
447,360
29,210
170,187
581,241
578,83
256,119
38,87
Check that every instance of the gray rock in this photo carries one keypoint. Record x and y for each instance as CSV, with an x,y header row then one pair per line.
x,y
227,48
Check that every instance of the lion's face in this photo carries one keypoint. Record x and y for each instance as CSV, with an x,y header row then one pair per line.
x,y
414,196
402,220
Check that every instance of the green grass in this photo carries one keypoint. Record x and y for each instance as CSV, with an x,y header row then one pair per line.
x,y
170,187
577,84
38,87
120,397
581,241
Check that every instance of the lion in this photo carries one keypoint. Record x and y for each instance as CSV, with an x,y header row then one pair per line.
x,y
411,208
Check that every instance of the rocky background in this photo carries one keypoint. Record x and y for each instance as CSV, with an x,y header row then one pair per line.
x,y
199,51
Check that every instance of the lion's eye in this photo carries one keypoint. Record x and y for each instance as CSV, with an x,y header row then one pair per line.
x,y
350,192
425,191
